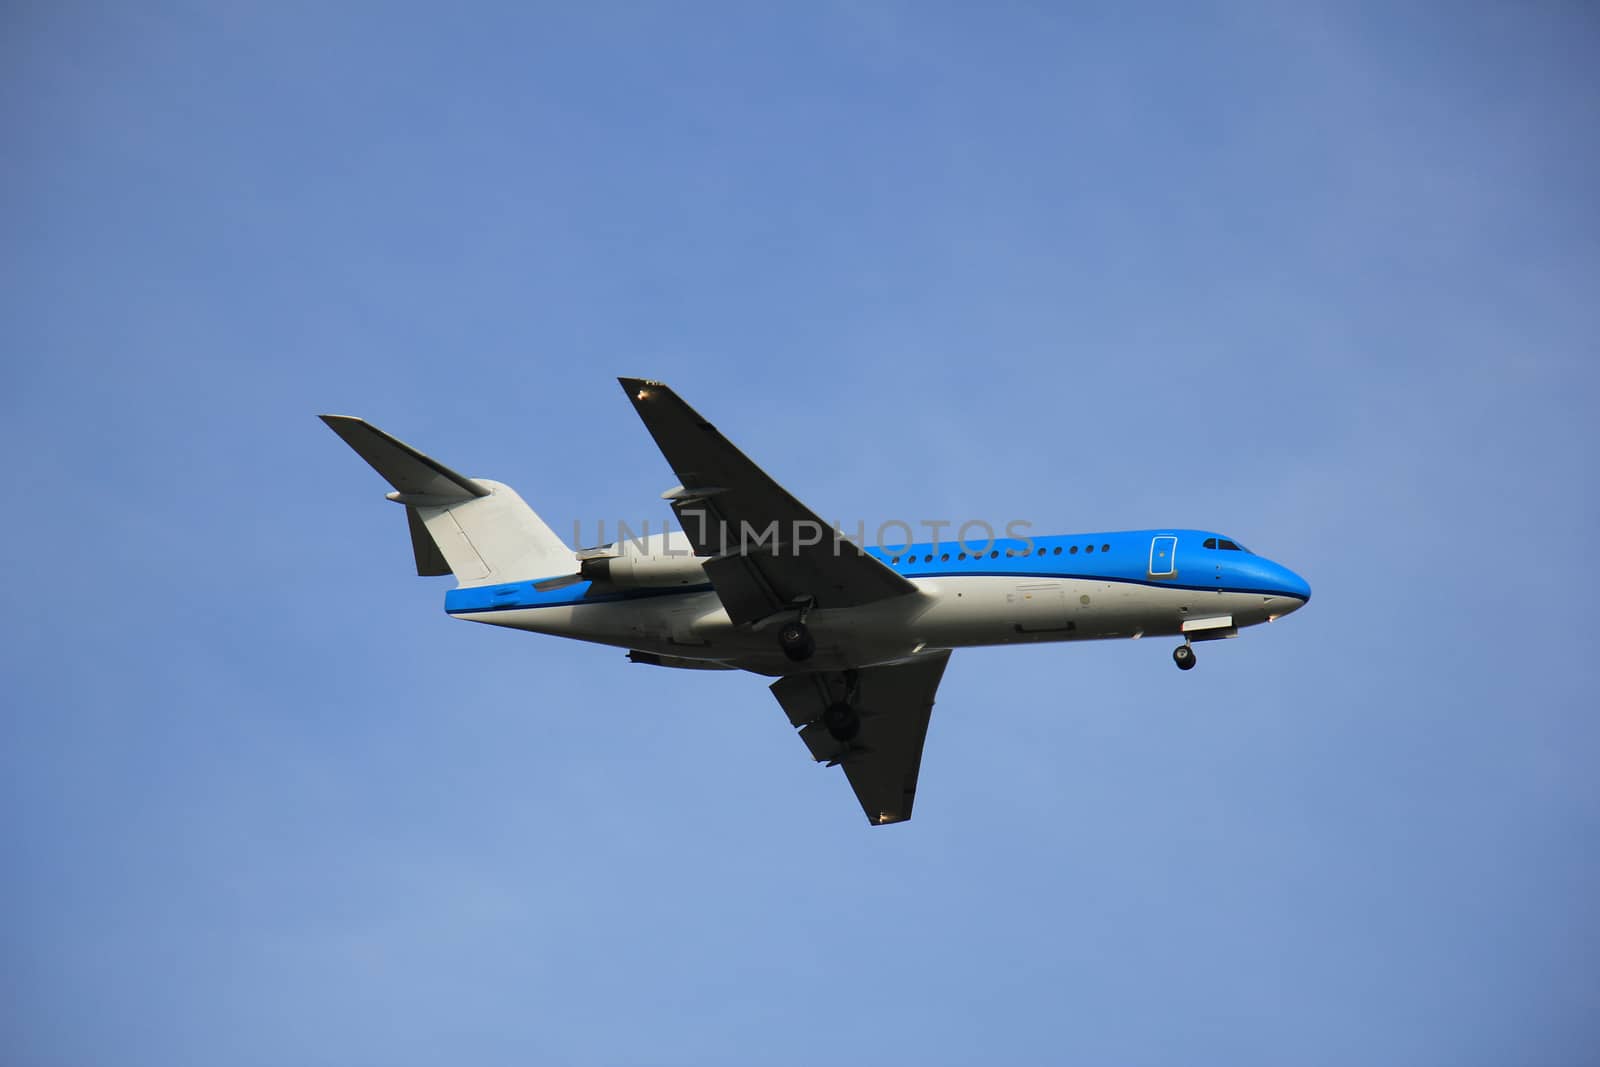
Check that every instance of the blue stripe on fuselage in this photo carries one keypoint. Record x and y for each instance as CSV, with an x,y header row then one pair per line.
x,y
523,595
1123,556
1126,561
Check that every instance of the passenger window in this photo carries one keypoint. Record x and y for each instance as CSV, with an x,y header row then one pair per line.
x,y
994,554
962,556
1105,548
1089,549
1041,551
945,558
895,560
1073,551
928,558
1057,551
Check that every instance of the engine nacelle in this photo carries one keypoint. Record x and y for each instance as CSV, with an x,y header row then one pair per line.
x,y
651,572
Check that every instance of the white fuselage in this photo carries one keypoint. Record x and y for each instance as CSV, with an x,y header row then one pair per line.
x,y
947,612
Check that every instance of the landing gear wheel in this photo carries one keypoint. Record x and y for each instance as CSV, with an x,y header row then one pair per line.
x,y
841,721
1183,656
796,641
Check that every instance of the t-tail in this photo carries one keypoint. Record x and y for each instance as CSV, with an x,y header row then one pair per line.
x,y
479,530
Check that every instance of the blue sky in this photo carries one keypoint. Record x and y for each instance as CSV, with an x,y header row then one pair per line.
x,y
1321,277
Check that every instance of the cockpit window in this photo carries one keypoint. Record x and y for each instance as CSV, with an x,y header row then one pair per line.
x,y
1224,543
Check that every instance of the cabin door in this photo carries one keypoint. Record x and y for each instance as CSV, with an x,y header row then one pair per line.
x,y
1163,557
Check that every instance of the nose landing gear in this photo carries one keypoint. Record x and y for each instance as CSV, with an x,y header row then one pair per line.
x,y
1183,656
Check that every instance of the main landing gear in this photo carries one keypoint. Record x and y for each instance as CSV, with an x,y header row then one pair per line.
x,y
842,721
795,637
1183,656
840,718
796,641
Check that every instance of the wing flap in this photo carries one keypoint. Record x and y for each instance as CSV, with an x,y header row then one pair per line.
x,y
802,697
741,588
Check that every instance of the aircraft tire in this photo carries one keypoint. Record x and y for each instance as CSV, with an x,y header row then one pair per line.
x,y
796,641
1183,656
841,721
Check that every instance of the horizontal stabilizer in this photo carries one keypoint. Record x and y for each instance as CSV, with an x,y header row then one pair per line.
x,y
418,479
479,530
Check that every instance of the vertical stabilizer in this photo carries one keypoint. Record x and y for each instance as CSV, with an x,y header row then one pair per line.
x,y
481,530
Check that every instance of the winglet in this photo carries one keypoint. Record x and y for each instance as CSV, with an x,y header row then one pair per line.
x,y
411,473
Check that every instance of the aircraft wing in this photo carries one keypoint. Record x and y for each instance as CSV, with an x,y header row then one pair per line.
x,y
767,550
895,703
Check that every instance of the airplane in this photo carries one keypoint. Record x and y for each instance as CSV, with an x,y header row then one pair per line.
x,y
856,637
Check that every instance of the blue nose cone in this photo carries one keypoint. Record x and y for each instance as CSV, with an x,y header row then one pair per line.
x,y
1295,585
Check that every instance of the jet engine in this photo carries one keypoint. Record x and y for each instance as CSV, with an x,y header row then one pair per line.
x,y
647,572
